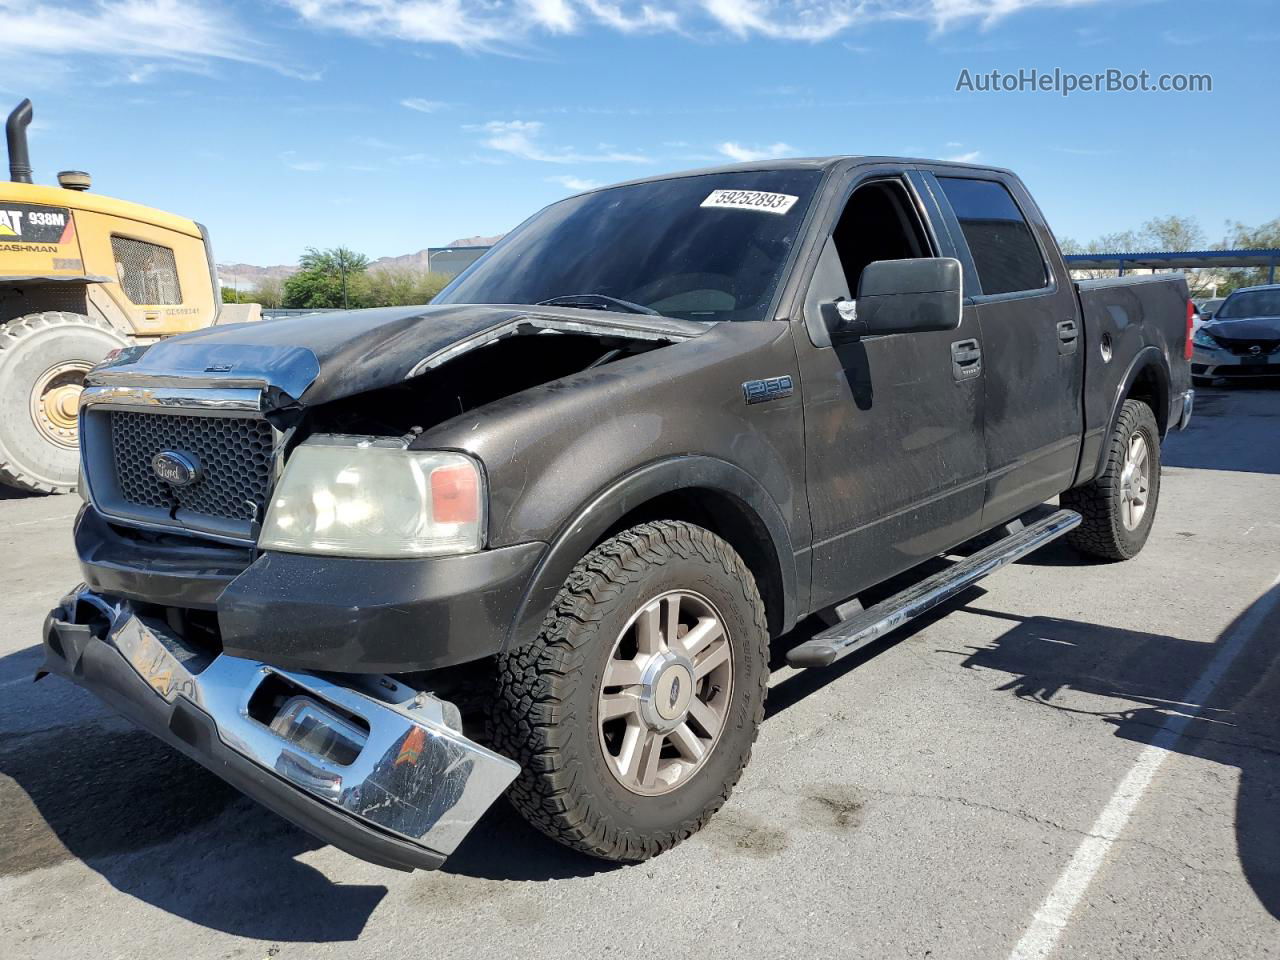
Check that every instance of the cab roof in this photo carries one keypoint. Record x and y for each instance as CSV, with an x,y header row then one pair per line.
x,y
806,163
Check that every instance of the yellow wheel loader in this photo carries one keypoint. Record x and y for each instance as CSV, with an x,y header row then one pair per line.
x,y
81,275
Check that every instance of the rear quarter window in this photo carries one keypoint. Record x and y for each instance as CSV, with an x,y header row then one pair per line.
x,y
1004,249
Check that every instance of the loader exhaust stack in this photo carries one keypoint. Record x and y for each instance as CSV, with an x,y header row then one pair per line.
x,y
15,132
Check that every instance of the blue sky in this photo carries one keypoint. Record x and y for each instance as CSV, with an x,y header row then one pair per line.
x,y
388,127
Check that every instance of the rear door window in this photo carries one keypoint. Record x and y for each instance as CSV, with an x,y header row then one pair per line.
x,y
1004,250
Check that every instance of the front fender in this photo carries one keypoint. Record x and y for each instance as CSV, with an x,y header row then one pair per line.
x,y
624,495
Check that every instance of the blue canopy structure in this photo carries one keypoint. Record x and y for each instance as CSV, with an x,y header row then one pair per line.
x,y
1176,260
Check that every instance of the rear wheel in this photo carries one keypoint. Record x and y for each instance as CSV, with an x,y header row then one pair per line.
x,y
1119,507
43,361
633,712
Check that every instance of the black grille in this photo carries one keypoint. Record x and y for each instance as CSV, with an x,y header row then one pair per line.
x,y
1243,348
234,454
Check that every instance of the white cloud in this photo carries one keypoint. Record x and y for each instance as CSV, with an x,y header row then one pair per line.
x,y
423,106
151,35
557,16
744,154
506,26
290,159
413,159
970,157
472,26
645,17
145,33
521,138
785,21
574,183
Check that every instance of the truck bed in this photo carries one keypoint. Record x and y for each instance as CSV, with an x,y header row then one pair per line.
x,y
1125,320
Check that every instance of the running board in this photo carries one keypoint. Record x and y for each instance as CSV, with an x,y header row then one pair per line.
x,y
868,625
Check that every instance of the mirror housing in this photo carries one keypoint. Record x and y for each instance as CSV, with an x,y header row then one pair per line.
x,y
899,296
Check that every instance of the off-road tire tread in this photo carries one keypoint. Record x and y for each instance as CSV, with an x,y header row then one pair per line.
x,y
1100,533
529,721
11,334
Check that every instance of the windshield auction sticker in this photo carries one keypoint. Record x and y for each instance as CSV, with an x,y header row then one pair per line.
x,y
750,200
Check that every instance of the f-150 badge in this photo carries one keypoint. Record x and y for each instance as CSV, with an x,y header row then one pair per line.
x,y
771,388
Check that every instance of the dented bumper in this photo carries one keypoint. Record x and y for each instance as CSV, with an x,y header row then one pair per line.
x,y
363,762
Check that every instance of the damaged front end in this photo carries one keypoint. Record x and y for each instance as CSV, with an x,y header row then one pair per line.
x,y
363,762
308,671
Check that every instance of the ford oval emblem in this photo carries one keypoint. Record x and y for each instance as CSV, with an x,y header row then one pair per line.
x,y
175,468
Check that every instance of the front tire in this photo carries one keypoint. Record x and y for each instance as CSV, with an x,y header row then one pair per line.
x,y
633,712
1119,507
43,360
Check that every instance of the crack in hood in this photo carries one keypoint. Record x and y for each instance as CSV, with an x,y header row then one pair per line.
x,y
314,358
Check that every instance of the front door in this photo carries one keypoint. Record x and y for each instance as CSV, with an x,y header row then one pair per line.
x,y
893,424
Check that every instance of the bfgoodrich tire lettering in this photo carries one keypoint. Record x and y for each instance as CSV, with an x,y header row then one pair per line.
x,y
1107,530
545,715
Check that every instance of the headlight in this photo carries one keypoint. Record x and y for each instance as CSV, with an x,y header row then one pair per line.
x,y
357,499
1202,339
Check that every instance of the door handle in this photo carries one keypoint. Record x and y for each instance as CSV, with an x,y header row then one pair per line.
x,y
966,359
1068,335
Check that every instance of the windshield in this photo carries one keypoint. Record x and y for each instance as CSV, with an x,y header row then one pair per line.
x,y
1251,303
708,247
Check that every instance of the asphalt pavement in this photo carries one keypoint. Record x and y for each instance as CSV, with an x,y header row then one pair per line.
x,y
1071,760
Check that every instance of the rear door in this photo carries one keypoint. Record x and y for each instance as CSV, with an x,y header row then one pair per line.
x,y
1032,340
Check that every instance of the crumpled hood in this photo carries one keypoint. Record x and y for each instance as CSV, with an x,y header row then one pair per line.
x,y
315,358
1246,328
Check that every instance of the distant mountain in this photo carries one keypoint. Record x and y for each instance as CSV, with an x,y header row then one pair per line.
x,y
245,276
477,241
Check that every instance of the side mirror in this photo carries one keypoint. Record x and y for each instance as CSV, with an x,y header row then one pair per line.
x,y
899,296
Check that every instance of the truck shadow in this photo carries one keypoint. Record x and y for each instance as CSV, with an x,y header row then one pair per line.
x,y
155,825
1235,725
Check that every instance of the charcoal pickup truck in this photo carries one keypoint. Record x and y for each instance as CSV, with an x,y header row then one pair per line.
x,y
377,568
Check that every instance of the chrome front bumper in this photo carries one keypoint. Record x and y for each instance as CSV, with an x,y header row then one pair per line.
x,y
364,762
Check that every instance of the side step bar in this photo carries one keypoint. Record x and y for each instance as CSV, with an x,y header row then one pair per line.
x,y
868,625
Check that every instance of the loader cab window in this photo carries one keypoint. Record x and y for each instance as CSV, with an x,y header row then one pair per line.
x,y
148,272
1004,249
878,223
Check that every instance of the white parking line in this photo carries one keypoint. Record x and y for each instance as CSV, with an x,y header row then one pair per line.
x,y
1052,917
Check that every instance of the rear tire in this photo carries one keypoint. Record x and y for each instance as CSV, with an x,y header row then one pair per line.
x,y
43,359
564,707
1119,507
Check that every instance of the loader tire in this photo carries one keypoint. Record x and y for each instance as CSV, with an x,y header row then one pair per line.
x,y
43,360
1119,506
633,712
